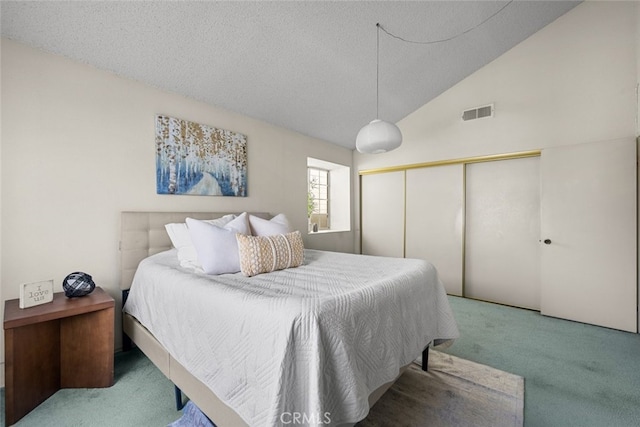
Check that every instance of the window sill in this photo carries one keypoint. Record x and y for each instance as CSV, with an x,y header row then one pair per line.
x,y
310,233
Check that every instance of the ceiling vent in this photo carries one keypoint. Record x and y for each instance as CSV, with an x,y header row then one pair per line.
x,y
478,113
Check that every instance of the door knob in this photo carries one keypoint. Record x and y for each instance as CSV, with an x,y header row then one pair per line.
x,y
547,241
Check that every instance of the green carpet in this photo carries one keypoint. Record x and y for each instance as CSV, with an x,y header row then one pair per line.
x,y
575,374
141,396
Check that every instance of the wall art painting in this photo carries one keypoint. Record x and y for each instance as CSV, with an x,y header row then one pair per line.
x,y
196,159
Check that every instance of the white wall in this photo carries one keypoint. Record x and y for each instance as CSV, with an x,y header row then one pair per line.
x,y
340,198
572,82
78,148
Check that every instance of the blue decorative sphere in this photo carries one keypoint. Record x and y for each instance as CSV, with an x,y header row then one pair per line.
x,y
78,284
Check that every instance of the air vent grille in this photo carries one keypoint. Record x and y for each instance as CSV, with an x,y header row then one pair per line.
x,y
478,113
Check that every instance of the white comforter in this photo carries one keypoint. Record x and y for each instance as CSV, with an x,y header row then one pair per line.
x,y
314,340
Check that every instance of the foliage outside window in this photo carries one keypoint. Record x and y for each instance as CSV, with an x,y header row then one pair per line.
x,y
328,196
318,199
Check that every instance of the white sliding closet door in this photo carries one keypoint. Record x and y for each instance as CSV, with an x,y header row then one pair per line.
x,y
502,232
588,264
435,198
382,210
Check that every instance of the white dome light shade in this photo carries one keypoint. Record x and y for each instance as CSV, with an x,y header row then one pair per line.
x,y
378,137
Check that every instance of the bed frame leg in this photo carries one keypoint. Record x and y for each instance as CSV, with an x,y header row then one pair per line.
x,y
126,342
425,359
178,393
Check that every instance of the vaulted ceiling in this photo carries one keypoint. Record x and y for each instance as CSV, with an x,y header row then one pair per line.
x,y
308,66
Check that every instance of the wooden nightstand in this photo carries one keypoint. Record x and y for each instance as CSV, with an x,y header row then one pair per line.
x,y
63,344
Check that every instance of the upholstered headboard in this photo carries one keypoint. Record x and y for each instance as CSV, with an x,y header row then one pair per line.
x,y
143,234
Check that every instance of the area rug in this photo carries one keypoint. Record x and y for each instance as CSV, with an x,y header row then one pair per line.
x,y
454,392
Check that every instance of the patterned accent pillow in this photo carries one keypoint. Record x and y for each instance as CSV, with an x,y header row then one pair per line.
x,y
264,254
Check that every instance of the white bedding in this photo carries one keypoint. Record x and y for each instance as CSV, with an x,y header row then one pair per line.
x,y
314,340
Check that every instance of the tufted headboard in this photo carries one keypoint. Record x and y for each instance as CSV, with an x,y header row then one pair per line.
x,y
143,234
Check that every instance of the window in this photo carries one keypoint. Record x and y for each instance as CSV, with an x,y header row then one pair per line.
x,y
328,196
318,198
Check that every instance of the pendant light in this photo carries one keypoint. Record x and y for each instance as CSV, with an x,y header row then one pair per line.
x,y
378,136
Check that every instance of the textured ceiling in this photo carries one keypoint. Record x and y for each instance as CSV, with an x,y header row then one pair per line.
x,y
307,66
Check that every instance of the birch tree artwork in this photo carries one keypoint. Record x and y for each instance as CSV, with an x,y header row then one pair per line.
x,y
199,160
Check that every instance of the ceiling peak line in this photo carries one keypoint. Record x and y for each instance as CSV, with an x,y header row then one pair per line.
x,y
448,38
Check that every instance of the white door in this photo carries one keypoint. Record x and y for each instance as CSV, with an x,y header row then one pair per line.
x,y
502,231
435,200
588,233
382,213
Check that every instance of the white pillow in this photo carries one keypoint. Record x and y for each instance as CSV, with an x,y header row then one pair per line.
x,y
181,240
217,247
263,227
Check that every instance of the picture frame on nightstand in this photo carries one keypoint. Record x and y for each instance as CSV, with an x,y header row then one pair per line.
x,y
36,293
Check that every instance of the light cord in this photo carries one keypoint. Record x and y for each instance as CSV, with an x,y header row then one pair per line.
x,y
441,40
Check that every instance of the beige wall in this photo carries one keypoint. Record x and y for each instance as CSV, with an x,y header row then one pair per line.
x,y
638,131
638,70
573,82
1,292
78,148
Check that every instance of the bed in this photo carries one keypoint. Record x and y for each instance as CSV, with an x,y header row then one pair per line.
x,y
319,343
